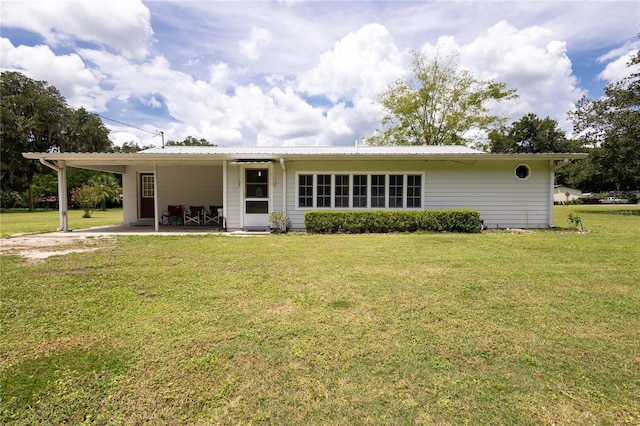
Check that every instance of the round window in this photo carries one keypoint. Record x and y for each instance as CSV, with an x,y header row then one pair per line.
x,y
523,171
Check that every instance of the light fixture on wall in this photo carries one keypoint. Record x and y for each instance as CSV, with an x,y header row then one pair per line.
x,y
259,173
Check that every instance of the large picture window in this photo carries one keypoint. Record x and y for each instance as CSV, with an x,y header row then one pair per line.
x,y
377,190
396,185
414,191
342,191
360,190
373,191
305,191
323,199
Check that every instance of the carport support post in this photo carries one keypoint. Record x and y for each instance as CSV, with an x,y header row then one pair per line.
x,y
62,196
61,169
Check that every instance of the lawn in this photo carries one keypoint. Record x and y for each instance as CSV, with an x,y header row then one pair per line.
x,y
20,221
500,327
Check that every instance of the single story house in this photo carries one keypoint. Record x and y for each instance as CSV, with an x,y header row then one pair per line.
x,y
509,190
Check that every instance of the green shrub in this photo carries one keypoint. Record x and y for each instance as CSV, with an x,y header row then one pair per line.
x,y
383,221
279,221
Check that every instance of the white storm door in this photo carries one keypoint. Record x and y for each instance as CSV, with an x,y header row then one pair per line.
x,y
256,198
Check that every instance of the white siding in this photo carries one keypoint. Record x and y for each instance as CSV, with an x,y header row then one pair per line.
x,y
232,209
490,187
185,186
493,189
189,186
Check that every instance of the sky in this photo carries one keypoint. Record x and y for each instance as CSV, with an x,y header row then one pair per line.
x,y
298,73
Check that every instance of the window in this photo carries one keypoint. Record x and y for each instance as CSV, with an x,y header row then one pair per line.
x,y
414,189
256,207
360,191
522,171
342,191
396,183
377,190
323,187
148,187
305,191
257,183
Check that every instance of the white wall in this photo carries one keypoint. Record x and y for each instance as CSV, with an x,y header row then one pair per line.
x,y
490,187
177,185
189,186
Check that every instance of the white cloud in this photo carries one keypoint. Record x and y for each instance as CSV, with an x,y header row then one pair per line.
x,y
360,65
123,25
258,40
530,60
68,73
323,61
617,68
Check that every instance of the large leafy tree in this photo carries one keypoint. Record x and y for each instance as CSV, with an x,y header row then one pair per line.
x,y
34,117
84,132
611,126
530,134
439,103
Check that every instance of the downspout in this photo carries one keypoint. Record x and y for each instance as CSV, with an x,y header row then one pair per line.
x,y
284,186
552,180
61,169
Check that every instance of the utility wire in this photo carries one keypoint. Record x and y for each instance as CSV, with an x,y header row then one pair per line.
x,y
156,133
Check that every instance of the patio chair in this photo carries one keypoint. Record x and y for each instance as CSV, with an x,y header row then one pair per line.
x,y
194,215
214,216
171,216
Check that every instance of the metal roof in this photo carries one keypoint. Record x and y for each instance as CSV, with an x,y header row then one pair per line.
x,y
206,155
313,150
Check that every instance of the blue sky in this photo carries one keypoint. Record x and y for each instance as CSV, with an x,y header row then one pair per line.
x,y
275,73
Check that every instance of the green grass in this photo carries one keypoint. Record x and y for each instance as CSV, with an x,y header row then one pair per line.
x,y
448,329
20,221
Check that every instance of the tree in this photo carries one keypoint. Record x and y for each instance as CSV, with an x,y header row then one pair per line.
x,y
84,132
190,141
109,189
611,126
87,198
130,147
35,118
438,104
31,117
530,134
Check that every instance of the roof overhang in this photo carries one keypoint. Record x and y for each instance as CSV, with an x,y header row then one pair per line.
x,y
116,162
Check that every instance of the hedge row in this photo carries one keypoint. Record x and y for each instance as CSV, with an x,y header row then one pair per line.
x,y
382,221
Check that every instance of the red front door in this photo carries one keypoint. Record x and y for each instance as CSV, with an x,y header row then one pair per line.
x,y
147,191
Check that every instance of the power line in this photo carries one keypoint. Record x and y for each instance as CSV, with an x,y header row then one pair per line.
x,y
156,133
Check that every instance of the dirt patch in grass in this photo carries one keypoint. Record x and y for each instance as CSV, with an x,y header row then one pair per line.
x,y
38,248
